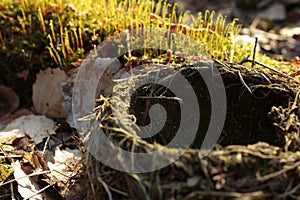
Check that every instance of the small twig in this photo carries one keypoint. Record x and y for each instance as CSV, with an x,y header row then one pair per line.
x,y
270,68
4,196
89,176
38,192
12,191
160,97
277,173
254,52
105,186
46,143
294,106
118,191
239,195
220,63
295,189
33,174
243,82
263,75
288,188
69,177
245,59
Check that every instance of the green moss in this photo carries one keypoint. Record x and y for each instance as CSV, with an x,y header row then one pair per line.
x,y
69,30
39,34
5,169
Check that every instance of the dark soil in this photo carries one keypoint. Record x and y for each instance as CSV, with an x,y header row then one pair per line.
x,y
247,121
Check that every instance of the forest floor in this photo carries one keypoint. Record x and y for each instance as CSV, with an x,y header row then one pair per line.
x,y
257,156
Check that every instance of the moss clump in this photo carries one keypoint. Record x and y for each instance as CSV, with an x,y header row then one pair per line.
x,y
5,169
6,172
69,29
39,34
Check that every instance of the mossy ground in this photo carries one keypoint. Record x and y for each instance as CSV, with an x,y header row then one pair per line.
x,y
39,34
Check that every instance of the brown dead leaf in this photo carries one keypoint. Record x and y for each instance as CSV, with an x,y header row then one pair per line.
x,y
36,160
23,143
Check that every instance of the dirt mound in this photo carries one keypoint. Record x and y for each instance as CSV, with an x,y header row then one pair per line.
x,y
255,156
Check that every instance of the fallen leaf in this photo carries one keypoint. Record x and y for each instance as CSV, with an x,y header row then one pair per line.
x,y
26,187
24,143
36,126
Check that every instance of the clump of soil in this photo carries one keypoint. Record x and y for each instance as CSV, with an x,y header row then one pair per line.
x,y
256,153
247,119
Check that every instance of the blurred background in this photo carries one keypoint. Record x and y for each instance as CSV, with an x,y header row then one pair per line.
x,y
275,23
